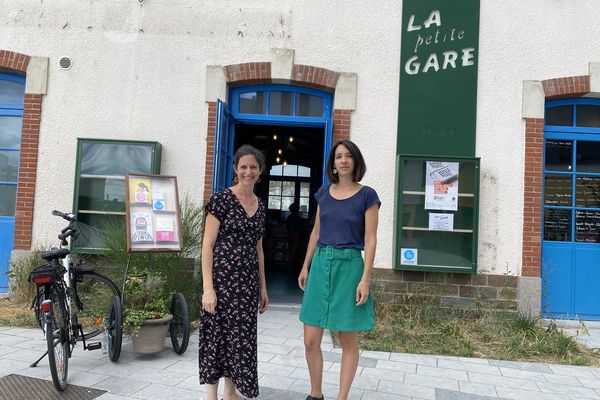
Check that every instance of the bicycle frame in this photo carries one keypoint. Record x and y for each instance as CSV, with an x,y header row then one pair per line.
x,y
68,265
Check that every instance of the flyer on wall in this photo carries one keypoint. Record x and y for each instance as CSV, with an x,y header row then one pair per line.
x,y
141,227
441,222
441,185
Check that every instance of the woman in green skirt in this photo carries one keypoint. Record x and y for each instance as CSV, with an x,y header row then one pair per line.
x,y
336,291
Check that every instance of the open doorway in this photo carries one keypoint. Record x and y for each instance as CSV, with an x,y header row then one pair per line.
x,y
294,171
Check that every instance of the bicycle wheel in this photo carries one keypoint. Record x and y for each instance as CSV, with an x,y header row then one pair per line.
x,y
57,340
113,328
179,328
94,300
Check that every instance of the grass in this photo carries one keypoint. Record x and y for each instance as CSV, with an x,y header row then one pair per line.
x,y
17,314
424,327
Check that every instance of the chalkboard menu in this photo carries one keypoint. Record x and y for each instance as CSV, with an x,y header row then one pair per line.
x,y
587,226
587,191
557,190
557,224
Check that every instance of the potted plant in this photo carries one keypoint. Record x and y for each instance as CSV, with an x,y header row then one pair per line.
x,y
146,312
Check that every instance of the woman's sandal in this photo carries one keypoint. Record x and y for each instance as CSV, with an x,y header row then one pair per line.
x,y
315,398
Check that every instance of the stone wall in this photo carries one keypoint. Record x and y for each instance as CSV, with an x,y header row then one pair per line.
x,y
484,292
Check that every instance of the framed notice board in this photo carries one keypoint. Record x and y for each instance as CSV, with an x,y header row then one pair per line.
x,y
436,214
153,221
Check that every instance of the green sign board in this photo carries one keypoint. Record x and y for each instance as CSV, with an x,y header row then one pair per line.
x,y
438,77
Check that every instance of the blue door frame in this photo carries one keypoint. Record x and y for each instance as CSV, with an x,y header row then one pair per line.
x,y
570,259
223,160
9,149
228,117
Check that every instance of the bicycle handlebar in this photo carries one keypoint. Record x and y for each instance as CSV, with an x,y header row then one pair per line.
x,y
68,232
68,217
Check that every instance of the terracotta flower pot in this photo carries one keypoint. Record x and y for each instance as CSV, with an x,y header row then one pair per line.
x,y
151,336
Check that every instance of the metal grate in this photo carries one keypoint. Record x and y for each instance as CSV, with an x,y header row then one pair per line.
x,y
65,63
19,387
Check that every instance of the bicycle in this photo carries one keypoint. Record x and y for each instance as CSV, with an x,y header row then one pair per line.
x,y
57,283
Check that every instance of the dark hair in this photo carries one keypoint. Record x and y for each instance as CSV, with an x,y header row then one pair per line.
x,y
247,150
360,168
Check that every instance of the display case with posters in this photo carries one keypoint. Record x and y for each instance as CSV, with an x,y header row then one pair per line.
x,y
437,205
153,221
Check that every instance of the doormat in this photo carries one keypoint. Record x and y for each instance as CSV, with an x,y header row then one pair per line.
x,y
19,387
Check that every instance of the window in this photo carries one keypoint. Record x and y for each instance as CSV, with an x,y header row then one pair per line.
x,y
560,116
281,103
99,198
253,103
588,115
289,184
581,114
284,101
572,191
12,92
309,106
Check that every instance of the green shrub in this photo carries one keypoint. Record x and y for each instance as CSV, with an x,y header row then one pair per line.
x,y
144,299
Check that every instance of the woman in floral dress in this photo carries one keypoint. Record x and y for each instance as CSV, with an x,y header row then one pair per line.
x,y
233,277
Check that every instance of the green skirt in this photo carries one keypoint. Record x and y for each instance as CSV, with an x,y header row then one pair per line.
x,y
330,294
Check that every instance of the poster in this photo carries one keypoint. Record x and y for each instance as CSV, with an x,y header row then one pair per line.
x,y
140,190
141,229
158,200
441,185
441,222
164,229
153,214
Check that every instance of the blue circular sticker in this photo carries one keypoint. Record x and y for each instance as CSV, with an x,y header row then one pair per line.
x,y
409,254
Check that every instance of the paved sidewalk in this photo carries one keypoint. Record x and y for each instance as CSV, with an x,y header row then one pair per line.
x,y
588,332
283,373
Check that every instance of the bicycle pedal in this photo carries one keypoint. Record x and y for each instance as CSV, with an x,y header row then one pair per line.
x,y
94,346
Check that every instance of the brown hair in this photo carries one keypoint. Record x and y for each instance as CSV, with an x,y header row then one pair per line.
x,y
247,150
360,168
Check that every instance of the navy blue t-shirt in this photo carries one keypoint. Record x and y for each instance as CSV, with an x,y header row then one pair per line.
x,y
343,221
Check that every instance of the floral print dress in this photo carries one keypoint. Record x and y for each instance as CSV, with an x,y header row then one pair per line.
x,y
227,345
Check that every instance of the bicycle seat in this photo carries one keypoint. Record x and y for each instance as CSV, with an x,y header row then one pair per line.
x,y
56,253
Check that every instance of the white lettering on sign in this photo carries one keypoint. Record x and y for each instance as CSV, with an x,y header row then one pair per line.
x,y
467,56
434,62
439,36
450,57
434,19
413,66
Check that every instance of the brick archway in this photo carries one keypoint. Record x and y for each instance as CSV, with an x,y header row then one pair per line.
x,y
260,73
16,62
573,86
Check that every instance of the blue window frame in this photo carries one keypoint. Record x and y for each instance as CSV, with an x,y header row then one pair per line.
x,y
12,94
281,105
286,105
